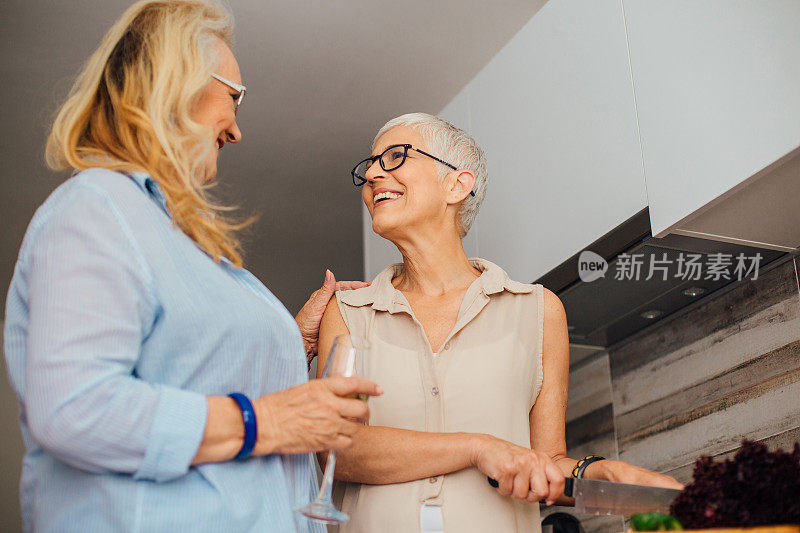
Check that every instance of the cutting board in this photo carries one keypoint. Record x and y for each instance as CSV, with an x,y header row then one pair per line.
x,y
759,529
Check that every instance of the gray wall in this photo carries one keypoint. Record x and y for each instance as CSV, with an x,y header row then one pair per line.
x,y
694,384
301,230
321,77
10,453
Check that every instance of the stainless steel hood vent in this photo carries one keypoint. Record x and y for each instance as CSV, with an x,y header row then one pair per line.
x,y
608,309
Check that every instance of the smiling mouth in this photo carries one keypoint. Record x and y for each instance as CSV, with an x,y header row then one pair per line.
x,y
384,197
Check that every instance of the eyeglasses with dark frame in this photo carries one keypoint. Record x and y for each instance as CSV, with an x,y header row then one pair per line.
x,y
390,159
241,89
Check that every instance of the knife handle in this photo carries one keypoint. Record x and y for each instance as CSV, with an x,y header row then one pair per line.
x,y
568,486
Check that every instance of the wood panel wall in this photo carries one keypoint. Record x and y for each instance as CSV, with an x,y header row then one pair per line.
x,y
696,383
590,422
699,383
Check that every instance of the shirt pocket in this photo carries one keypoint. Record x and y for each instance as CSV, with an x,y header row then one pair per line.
x,y
488,385
397,371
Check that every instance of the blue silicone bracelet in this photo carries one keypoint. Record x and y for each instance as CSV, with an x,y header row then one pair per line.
x,y
250,425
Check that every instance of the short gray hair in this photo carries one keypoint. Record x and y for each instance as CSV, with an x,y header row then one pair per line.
x,y
455,146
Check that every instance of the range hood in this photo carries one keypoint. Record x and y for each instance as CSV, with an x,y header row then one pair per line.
x,y
606,310
759,216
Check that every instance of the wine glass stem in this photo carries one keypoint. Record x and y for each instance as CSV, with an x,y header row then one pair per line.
x,y
326,489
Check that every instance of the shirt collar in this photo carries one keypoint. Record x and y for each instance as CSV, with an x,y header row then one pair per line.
x,y
151,187
382,295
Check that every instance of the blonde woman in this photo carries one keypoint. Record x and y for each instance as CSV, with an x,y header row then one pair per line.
x,y
130,319
474,364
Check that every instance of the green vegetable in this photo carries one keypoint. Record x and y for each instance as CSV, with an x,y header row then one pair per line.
x,y
655,522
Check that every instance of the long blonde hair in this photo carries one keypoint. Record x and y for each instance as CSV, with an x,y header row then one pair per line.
x,y
130,106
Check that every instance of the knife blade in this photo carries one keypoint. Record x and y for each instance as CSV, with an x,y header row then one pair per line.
x,y
593,496
597,497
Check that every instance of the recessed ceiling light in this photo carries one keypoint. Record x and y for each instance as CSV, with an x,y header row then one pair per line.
x,y
694,291
651,314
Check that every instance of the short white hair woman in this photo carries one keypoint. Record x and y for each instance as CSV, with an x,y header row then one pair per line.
x,y
161,386
474,364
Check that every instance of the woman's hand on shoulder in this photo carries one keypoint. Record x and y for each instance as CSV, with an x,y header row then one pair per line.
x,y
310,316
520,472
321,414
622,472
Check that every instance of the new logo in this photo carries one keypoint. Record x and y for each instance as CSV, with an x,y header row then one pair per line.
x,y
591,266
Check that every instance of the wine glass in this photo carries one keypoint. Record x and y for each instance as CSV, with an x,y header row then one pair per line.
x,y
346,358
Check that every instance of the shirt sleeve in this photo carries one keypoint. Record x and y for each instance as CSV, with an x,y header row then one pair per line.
x,y
91,306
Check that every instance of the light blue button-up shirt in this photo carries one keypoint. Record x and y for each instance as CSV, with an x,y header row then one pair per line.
x,y
117,328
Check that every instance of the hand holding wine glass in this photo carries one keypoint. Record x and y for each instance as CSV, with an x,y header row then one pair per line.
x,y
315,416
347,358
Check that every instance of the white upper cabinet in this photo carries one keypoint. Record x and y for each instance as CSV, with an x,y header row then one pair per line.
x,y
598,108
554,111
717,87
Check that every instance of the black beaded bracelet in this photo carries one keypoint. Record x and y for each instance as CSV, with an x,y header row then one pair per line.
x,y
581,465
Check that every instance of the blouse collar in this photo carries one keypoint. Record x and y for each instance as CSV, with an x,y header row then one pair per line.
x,y
382,295
151,187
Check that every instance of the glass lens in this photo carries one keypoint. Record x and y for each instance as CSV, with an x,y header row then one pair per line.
x,y
239,101
393,157
360,172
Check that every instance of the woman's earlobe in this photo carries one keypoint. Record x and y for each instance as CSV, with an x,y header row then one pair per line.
x,y
465,181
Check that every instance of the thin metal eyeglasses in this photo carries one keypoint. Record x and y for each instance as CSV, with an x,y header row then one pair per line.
x,y
391,159
241,89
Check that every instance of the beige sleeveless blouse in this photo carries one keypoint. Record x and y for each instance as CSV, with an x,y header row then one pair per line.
x,y
485,379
